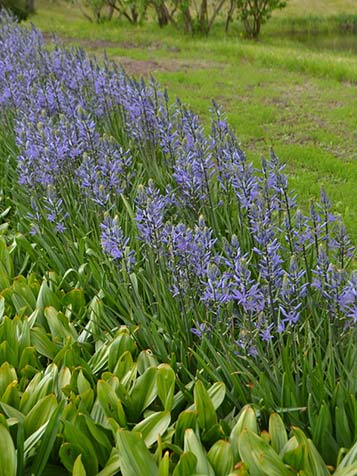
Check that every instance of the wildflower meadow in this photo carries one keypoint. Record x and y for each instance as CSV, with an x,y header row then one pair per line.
x,y
166,307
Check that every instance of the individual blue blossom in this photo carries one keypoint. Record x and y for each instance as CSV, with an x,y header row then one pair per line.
x,y
200,329
106,172
113,241
292,294
302,234
53,205
261,224
266,334
329,281
216,287
236,284
151,207
194,167
188,253
245,344
348,299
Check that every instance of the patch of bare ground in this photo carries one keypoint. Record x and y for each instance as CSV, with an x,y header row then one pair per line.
x,y
145,67
148,67
136,66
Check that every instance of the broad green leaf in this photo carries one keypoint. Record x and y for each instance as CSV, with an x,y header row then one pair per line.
x,y
153,426
98,435
2,308
277,432
322,434
216,392
68,454
82,383
11,396
11,412
29,358
20,449
143,393
39,414
33,440
7,375
164,466
8,459
64,377
166,386
112,466
186,465
187,419
8,353
206,414
75,299
110,402
221,458
212,435
124,365
343,431
40,386
135,458
99,360
193,445
314,463
46,297
350,458
48,440
293,453
43,343
78,439
350,470
78,468
122,343
5,258
23,296
59,324
145,360
246,420
259,456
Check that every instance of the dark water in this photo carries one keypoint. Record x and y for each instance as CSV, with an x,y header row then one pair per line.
x,y
346,42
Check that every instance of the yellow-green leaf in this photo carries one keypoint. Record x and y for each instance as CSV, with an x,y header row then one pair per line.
x,y
8,462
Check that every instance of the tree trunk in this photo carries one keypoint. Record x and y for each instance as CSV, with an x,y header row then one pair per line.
x,y
134,14
203,17
232,7
111,11
256,27
187,20
162,13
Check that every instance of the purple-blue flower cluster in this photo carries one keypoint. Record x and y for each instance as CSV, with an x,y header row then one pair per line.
x,y
226,238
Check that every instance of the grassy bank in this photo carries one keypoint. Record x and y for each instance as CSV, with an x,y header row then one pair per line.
x,y
275,92
151,233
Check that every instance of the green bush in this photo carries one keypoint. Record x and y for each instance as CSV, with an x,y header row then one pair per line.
x,y
255,14
20,8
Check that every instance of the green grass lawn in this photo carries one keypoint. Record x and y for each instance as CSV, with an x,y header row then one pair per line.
x,y
275,92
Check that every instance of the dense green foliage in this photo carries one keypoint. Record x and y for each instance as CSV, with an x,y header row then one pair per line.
x,y
89,380
20,8
75,400
254,13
